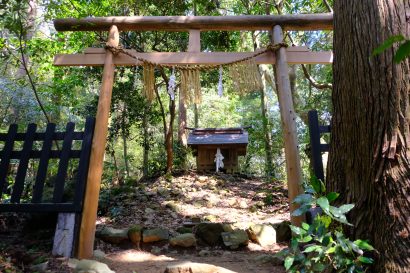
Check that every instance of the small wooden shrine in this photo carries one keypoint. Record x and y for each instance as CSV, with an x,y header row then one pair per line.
x,y
232,143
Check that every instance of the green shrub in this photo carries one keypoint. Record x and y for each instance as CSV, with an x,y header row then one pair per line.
x,y
322,246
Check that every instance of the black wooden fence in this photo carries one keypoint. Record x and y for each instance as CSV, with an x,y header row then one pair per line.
x,y
15,188
316,148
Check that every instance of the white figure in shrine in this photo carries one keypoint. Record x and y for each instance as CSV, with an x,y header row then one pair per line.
x,y
219,160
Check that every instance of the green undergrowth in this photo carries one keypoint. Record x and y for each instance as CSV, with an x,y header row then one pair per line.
x,y
322,246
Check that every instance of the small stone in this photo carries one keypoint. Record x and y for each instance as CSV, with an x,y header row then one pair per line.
x,y
155,235
183,230
210,218
112,235
228,227
90,266
135,234
39,267
265,235
173,206
235,239
204,253
210,233
283,232
184,240
232,202
202,178
98,254
243,204
162,191
149,211
149,193
155,250
265,258
72,263
189,267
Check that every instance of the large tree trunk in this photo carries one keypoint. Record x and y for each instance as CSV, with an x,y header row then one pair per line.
x,y
370,146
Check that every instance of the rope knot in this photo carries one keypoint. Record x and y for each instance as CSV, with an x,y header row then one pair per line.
x,y
275,47
114,49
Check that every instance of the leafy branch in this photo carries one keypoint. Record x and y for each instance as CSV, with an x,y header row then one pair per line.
x,y
402,52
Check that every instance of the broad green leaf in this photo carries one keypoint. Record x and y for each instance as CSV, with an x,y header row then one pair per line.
x,y
323,203
403,52
306,239
331,250
303,198
363,245
388,43
289,262
311,248
319,267
297,230
301,210
365,260
294,244
346,208
305,226
317,184
332,196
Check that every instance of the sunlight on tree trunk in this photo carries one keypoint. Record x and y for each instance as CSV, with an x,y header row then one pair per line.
x,y
370,147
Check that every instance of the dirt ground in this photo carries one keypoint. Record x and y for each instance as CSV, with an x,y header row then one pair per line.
x,y
145,262
167,203
192,197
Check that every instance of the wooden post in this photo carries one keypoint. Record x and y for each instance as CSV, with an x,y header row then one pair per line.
x,y
288,116
89,216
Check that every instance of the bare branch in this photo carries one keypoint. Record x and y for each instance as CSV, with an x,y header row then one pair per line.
x,y
313,82
24,63
329,8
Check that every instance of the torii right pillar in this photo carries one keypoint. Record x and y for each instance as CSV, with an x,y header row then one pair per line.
x,y
288,117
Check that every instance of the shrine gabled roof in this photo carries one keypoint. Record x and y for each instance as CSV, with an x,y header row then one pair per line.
x,y
215,136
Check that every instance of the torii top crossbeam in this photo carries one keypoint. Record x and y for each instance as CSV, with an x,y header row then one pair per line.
x,y
321,21
194,56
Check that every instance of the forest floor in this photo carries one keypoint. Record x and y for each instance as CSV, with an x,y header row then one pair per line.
x,y
171,204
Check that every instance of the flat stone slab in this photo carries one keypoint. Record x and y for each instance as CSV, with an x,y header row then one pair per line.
x,y
189,267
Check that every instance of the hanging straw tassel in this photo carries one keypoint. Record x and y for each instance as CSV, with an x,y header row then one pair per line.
x,y
191,86
245,76
184,86
197,87
149,81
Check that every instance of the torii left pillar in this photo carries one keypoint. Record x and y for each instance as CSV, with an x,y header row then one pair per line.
x,y
89,215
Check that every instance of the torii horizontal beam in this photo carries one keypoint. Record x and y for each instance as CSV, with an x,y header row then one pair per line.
x,y
319,21
96,57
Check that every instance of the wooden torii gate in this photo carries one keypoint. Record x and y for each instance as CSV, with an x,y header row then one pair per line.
x,y
194,25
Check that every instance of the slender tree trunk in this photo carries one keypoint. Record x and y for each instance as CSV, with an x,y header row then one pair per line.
x,y
169,140
369,160
125,154
124,140
269,168
145,144
196,115
182,136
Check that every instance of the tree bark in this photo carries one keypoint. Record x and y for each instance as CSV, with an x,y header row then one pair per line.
x,y
269,168
145,144
124,141
370,146
196,115
169,140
